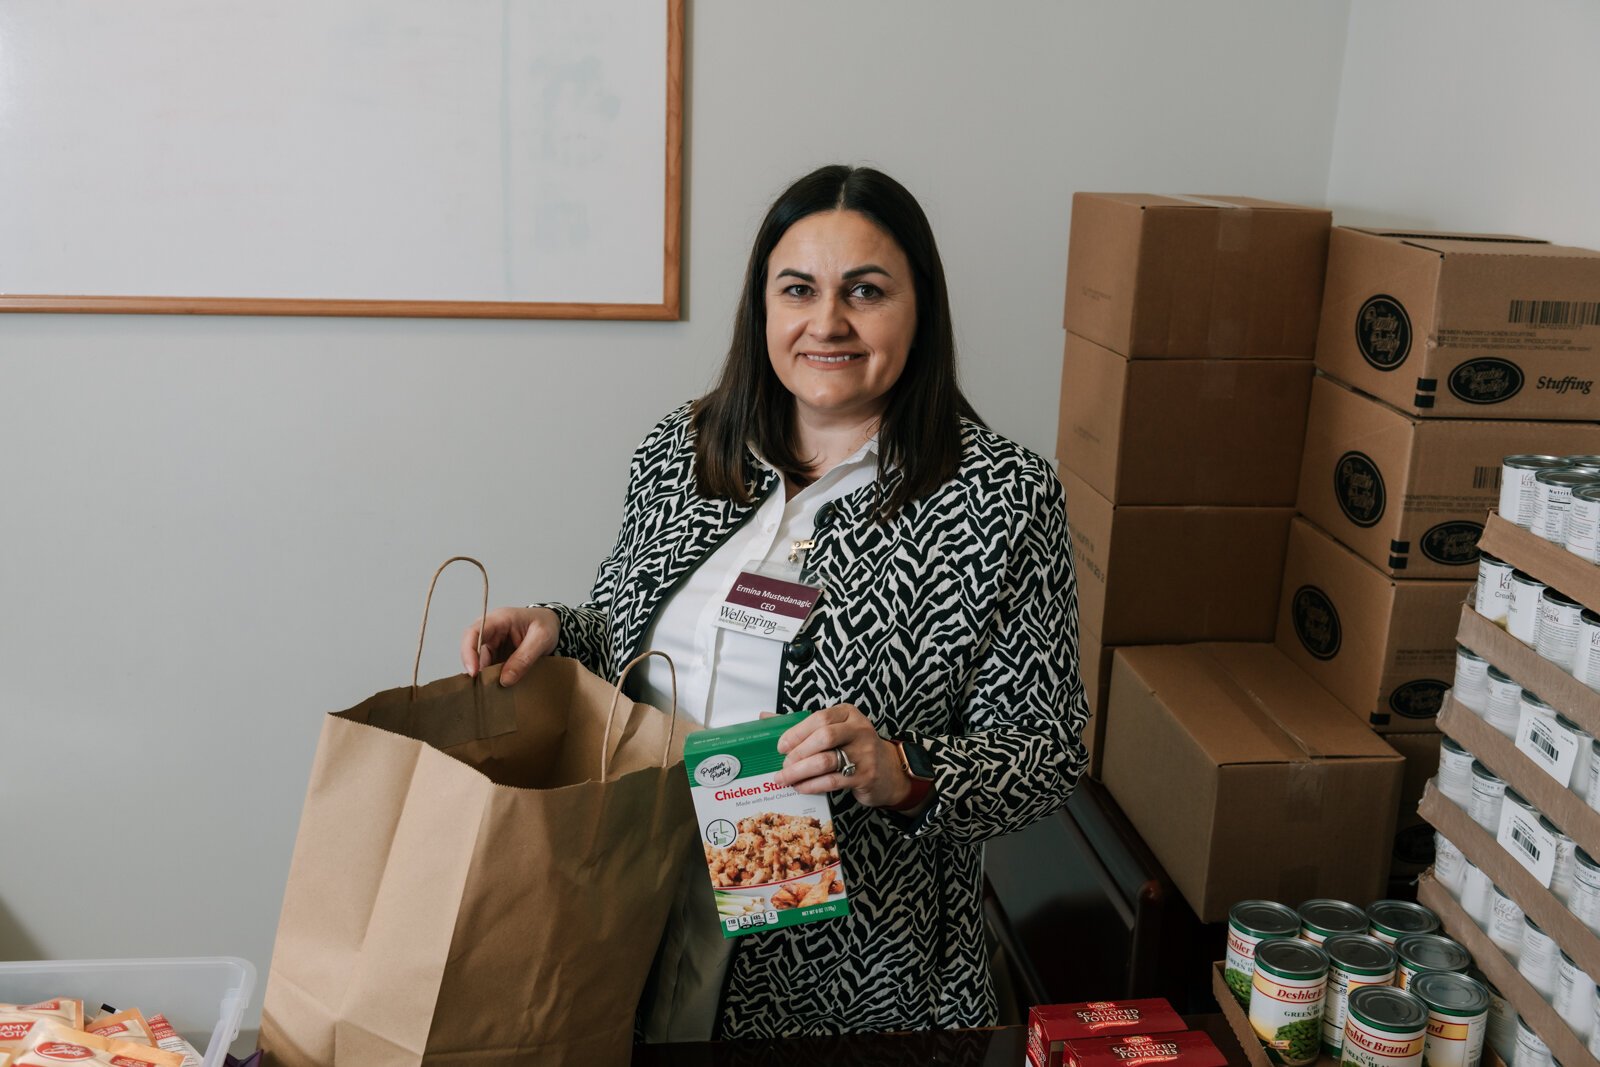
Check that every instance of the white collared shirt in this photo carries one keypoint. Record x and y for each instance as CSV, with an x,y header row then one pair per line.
x,y
725,676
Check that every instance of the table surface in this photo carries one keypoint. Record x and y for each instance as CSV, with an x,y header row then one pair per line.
x,y
959,1048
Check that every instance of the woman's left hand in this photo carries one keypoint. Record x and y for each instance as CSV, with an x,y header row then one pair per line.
x,y
811,748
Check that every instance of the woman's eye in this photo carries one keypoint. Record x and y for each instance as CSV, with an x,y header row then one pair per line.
x,y
866,291
797,289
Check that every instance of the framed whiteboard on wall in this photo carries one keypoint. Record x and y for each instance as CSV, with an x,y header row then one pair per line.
x,y
474,158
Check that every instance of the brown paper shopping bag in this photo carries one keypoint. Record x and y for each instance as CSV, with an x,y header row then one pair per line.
x,y
481,874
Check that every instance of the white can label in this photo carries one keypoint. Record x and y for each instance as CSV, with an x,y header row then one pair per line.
x,y
1583,526
1454,1041
1286,1014
1449,865
1538,962
1492,597
1518,495
1558,632
1522,616
1586,660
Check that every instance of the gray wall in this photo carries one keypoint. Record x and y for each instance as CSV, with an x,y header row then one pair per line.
x,y
214,530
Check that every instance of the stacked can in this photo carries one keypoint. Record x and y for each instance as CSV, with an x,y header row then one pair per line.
x,y
1354,961
1540,962
1390,920
1458,1017
1251,922
1574,997
1286,997
1384,1027
1321,919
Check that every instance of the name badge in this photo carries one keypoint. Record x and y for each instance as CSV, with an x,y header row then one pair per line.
x,y
768,607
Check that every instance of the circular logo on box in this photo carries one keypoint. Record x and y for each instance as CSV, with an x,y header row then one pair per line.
x,y
1358,487
1316,622
717,770
1485,381
1420,699
1452,543
1383,332
63,1050
721,833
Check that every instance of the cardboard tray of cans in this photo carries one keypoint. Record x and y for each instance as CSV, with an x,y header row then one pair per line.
x,y
1547,561
1500,754
1529,669
1539,903
1564,1045
1239,1022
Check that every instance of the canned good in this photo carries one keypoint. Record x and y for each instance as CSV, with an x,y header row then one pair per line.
x,y
1322,918
1455,771
1540,962
1506,923
1585,903
1471,685
1458,1016
1578,780
1488,796
1522,613
1592,462
1428,952
1504,694
1552,500
1583,524
1502,1019
1517,486
1531,1049
1594,1029
1514,797
1354,961
1492,596
1477,895
1286,997
1574,999
1559,617
1249,923
1586,662
1390,920
1561,879
1385,1027
1449,865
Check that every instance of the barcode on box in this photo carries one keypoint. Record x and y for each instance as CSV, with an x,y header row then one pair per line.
x,y
1486,477
1555,312
1526,843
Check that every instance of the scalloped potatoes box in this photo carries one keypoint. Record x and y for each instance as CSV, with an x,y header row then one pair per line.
x,y
1463,325
770,852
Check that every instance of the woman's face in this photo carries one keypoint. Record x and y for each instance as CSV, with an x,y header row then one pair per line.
x,y
841,315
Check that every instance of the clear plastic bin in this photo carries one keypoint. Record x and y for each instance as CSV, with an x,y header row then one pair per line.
x,y
202,997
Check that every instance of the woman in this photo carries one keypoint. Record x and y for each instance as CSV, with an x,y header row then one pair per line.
x,y
941,656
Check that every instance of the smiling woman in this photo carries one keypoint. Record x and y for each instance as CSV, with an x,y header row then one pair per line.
x,y
939,656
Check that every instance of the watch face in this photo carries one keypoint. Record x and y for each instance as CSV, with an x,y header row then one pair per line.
x,y
917,759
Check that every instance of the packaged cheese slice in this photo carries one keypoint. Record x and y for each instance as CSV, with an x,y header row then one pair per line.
x,y
52,1044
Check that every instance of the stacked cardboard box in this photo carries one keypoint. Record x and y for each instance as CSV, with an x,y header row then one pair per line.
x,y
1437,356
1186,376
1510,857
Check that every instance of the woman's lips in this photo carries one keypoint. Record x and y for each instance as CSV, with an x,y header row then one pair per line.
x,y
831,359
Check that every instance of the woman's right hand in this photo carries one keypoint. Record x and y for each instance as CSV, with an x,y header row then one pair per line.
x,y
516,637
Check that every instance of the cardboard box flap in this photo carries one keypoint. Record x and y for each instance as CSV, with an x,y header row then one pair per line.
x,y
1247,704
1205,200
1425,238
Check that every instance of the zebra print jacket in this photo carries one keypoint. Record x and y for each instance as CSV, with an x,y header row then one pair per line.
x,y
954,624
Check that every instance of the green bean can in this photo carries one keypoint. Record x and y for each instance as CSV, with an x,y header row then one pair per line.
x,y
1251,922
1393,919
1354,960
1429,952
1321,919
1286,997
1458,1017
1384,1027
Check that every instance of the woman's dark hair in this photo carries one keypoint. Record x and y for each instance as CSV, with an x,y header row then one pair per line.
x,y
920,430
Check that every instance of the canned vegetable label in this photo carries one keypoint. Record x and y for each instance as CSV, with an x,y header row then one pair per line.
x,y
1385,1028
1354,961
1249,923
1458,1014
1286,998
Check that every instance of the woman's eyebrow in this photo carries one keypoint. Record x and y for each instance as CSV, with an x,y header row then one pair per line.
x,y
852,273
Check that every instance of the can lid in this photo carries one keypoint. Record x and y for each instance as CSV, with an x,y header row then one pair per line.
x,y
1432,952
1525,578
1571,477
1463,650
1585,859
1531,697
1533,462
1389,1009
1552,829
1496,560
1571,727
1587,492
1450,993
1556,596
1480,771
1590,617
1329,917
1290,957
1581,461
1499,675
1400,917
1360,954
1450,744
1531,925
1264,918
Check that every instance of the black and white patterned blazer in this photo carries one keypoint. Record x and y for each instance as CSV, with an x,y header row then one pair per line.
x,y
956,624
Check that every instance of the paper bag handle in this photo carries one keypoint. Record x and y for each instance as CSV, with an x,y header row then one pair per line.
x,y
616,695
426,604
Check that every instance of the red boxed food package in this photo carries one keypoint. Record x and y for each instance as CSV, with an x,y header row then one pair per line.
x,y
1050,1026
1189,1048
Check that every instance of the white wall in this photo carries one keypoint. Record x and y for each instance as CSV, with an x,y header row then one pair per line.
x,y
1470,115
213,530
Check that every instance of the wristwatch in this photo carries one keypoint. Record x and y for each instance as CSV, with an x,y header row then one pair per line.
x,y
919,766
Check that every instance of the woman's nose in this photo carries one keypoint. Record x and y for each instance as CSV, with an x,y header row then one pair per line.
x,y
829,319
